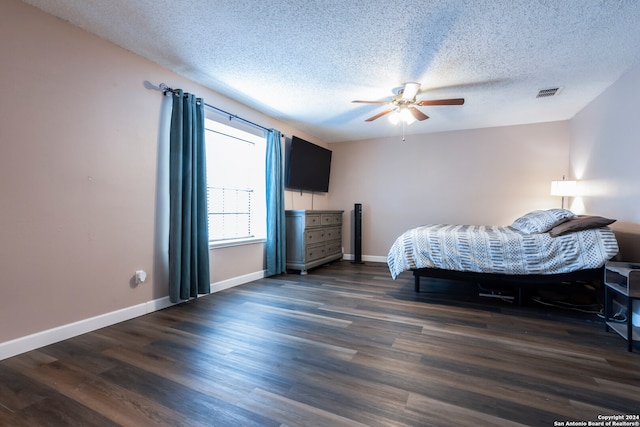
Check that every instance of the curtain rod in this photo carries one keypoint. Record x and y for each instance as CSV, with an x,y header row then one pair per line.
x,y
164,88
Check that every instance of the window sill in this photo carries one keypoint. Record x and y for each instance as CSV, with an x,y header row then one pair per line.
x,y
236,242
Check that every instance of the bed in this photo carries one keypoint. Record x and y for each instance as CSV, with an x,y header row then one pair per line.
x,y
543,246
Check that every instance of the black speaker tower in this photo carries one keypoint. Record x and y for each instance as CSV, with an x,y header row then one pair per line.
x,y
357,233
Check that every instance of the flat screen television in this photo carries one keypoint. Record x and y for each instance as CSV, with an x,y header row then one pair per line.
x,y
308,166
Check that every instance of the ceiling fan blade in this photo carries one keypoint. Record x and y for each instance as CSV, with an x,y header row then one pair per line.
x,y
410,91
419,115
371,102
377,116
452,101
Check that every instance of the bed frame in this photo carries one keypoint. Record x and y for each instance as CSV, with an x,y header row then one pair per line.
x,y
594,276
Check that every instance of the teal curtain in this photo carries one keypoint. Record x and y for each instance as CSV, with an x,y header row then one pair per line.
x,y
276,244
188,227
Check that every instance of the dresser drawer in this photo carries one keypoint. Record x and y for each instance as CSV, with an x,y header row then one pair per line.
x,y
312,220
314,236
331,219
333,233
315,252
333,247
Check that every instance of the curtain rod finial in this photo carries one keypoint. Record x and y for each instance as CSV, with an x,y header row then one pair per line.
x,y
164,88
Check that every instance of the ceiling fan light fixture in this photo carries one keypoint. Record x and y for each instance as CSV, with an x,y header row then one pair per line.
x,y
394,117
401,115
406,116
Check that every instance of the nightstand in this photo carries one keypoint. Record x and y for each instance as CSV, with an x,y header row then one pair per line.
x,y
622,278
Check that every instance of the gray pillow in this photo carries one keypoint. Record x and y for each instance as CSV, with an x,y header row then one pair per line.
x,y
582,222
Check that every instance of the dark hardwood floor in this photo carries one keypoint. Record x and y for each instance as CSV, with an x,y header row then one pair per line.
x,y
343,346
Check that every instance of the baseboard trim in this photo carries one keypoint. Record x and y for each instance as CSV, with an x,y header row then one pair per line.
x,y
235,281
370,258
60,333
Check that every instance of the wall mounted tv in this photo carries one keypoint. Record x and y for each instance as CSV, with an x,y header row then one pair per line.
x,y
308,166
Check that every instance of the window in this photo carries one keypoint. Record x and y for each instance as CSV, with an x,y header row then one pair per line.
x,y
235,184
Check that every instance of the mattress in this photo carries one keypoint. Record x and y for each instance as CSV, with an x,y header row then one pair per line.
x,y
500,250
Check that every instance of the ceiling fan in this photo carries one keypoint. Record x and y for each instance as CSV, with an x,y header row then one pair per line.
x,y
404,99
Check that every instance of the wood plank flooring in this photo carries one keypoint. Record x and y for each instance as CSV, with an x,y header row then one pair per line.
x,y
343,346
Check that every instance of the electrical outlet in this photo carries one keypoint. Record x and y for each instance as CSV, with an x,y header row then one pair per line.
x,y
140,277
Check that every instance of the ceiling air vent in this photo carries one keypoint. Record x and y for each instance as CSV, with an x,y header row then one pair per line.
x,y
544,93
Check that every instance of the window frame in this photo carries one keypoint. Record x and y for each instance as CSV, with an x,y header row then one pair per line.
x,y
257,213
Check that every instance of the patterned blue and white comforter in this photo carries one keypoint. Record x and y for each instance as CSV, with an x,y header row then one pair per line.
x,y
498,249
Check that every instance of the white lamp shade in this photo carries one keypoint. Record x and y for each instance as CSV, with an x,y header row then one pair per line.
x,y
564,188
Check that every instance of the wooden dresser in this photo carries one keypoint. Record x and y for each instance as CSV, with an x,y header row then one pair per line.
x,y
313,238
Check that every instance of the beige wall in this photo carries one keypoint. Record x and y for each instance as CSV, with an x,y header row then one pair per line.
x,y
484,176
82,171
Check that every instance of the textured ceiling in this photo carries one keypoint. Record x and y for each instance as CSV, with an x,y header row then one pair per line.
x,y
303,62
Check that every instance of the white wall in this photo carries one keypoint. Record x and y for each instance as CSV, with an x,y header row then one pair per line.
x,y
605,151
605,157
483,176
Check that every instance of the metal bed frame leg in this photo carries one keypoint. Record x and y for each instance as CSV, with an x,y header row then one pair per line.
x,y
416,283
608,306
629,323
